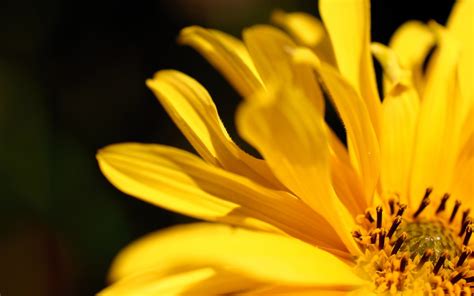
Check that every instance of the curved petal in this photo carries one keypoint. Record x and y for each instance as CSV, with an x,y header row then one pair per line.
x,y
400,113
179,181
194,112
462,186
394,73
308,31
309,291
292,137
362,141
345,180
225,53
399,117
347,185
433,160
412,42
200,281
256,255
348,25
270,50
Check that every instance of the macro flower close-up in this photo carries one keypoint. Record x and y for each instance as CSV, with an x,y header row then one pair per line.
x,y
382,210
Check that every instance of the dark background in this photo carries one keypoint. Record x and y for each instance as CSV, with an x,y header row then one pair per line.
x,y
72,80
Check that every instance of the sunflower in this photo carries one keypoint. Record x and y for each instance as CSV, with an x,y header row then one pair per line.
x,y
386,213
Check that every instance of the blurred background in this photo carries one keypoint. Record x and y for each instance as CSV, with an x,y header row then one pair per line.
x,y
72,80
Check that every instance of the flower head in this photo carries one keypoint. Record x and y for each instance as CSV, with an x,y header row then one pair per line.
x,y
388,213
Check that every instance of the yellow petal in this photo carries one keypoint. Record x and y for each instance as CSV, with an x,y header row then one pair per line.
x,y
305,291
412,42
399,117
363,145
394,73
348,186
256,255
348,25
201,281
225,53
462,186
179,181
305,28
290,133
308,31
194,112
461,25
270,50
433,158
345,180
400,111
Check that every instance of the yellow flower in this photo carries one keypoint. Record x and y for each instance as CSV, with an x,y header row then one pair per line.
x,y
387,215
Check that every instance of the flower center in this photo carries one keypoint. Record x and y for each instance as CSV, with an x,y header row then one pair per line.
x,y
424,250
423,235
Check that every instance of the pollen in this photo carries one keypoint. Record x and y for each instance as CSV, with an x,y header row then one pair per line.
x,y
420,251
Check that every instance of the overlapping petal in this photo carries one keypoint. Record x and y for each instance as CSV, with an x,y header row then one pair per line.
x,y
412,42
258,256
287,129
362,141
200,281
463,174
179,181
305,291
348,25
308,31
433,160
225,53
192,109
394,73
270,50
399,120
400,112
304,28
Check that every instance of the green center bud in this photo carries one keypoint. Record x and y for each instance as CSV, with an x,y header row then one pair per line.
x,y
424,235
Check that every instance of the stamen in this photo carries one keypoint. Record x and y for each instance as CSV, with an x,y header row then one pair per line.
x,y
382,239
357,234
373,237
469,279
457,277
369,217
424,203
468,235
442,205
379,216
464,215
403,263
457,204
465,253
426,255
440,262
428,192
399,243
391,205
394,226
402,209
464,226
